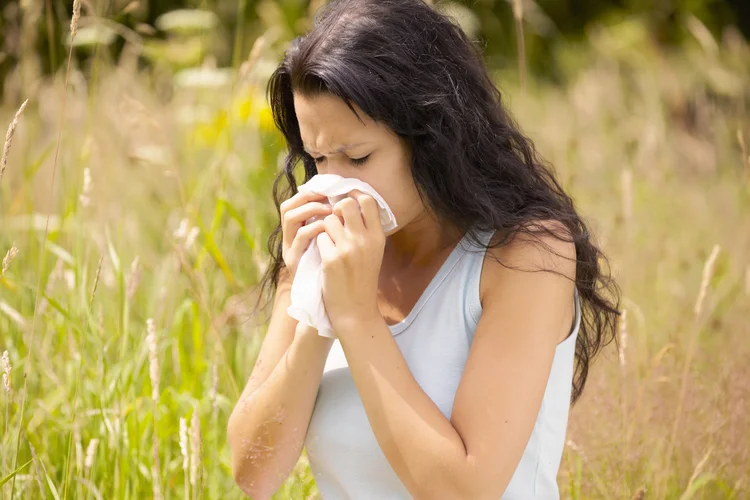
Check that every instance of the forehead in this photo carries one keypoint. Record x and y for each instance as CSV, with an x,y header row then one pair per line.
x,y
324,118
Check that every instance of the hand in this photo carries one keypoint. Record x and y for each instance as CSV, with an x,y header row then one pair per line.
x,y
296,234
351,257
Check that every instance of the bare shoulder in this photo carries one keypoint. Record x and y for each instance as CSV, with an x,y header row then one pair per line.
x,y
544,253
525,316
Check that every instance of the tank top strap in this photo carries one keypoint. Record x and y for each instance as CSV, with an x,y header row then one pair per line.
x,y
476,251
472,274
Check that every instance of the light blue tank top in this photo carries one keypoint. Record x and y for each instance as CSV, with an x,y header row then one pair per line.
x,y
434,338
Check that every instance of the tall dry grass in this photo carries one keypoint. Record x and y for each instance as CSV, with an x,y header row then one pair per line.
x,y
125,312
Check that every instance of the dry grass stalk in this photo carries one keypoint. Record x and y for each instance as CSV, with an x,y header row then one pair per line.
x,y
154,376
215,389
9,256
708,271
75,18
6,367
182,230
73,28
573,446
186,234
520,41
153,359
132,6
56,274
6,373
7,386
698,469
745,155
96,281
195,451
90,454
155,470
621,352
518,9
78,447
255,53
600,485
627,195
134,279
37,467
84,197
185,455
9,138
623,337
640,493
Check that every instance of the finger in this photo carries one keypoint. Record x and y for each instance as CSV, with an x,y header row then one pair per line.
x,y
370,210
301,214
295,218
303,196
334,228
305,235
326,247
348,208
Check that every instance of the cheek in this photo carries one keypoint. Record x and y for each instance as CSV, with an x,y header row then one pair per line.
x,y
391,177
404,201
407,209
393,196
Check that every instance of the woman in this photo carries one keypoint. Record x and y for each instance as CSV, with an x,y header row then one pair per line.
x,y
464,336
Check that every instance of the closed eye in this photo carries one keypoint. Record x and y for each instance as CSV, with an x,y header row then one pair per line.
x,y
360,161
354,161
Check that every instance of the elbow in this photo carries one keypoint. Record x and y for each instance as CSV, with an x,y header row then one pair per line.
x,y
464,482
486,488
246,476
249,485
463,490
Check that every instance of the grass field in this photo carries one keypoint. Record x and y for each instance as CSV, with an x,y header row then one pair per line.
x,y
139,205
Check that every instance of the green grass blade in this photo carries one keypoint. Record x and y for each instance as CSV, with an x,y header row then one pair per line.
x,y
12,474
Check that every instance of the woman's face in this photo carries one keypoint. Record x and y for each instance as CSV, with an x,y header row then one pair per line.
x,y
371,152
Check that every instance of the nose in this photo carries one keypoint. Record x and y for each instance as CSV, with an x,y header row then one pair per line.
x,y
332,167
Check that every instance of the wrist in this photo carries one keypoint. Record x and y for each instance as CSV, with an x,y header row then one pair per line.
x,y
286,275
309,337
354,321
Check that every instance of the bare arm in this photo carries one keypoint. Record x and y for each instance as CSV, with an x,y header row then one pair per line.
x,y
269,423
278,338
474,453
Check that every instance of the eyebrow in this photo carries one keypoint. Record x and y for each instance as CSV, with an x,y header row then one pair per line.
x,y
343,148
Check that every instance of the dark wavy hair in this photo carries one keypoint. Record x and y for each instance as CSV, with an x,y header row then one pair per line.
x,y
410,67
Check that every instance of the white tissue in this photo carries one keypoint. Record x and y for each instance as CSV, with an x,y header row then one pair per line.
x,y
307,287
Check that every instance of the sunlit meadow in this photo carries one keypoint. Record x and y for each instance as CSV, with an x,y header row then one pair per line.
x,y
134,211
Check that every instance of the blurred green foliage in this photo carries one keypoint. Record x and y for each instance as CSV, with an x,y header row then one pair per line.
x,y
182,33
172,222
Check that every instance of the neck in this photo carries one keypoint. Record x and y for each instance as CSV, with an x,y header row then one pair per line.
x,y
420,240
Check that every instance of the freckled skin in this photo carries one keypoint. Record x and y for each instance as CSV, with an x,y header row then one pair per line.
x,y
267,428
